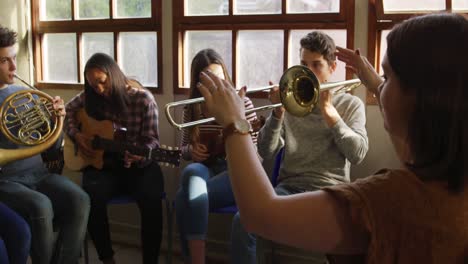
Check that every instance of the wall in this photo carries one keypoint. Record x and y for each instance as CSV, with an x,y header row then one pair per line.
x,y
125,219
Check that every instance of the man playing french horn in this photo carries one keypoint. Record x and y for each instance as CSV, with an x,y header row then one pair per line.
x,y
47,201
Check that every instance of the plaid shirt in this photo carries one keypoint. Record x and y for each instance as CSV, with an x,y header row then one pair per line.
x,y
140,119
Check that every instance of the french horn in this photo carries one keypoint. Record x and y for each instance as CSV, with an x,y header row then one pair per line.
x,y
28,119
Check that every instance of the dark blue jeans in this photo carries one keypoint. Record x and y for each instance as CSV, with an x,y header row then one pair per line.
x,y
15,237
145,185
53,203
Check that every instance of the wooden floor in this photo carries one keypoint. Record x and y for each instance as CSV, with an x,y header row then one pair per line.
x,y
126,255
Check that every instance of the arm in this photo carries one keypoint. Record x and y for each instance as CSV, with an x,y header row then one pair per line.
x,y
349,132
324,223
71,125
150,126
196,152
185,145
270,137
361,67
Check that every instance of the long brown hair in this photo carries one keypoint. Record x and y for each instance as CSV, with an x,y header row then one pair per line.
x,y
202,59
118,81
429,56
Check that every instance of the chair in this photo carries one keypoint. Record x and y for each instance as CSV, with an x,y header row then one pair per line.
x,y
126,199
232,209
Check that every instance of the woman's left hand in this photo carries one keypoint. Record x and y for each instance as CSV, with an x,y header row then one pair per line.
x,y
59,106
129,159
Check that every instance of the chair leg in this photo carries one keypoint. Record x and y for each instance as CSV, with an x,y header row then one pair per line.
x,y
169,232
261,250
85,249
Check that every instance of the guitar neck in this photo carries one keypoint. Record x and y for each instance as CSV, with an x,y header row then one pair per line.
x,y
120,147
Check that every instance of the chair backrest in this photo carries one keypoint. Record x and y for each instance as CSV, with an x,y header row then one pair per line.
x,y
275,172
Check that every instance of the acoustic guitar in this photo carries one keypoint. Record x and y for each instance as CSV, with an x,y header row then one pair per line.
x,y
106,139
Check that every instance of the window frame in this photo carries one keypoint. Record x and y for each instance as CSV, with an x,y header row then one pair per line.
x,y
343,20
108,25
379,21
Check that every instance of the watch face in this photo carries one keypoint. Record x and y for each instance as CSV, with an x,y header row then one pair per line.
x,y
243,126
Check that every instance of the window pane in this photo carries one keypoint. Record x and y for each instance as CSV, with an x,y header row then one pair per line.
x,y
138,56
55,10
96,42
244,7
413,5
313,6
93,9
460,5
220,41
133,8
206,7
59,58
383,48
338,35
260,57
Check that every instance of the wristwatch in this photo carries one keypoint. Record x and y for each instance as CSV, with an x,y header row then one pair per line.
x,y
240,126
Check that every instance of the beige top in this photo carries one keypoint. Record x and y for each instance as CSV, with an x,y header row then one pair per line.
x,y
409,221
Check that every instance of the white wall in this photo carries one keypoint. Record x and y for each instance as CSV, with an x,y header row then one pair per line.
x,y
125,219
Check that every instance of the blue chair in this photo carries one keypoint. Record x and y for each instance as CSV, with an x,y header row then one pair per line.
x,y
126,199
232,209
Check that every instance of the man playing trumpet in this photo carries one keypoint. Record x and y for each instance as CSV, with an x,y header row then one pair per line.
x,y
318,148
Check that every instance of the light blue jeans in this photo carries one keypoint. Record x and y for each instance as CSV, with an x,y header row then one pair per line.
x,y
202,189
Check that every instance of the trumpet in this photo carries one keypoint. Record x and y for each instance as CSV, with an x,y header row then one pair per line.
x,y
299,94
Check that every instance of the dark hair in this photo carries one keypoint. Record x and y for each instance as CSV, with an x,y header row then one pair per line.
x,y
202,59
429,56
7,37
318,41
118,83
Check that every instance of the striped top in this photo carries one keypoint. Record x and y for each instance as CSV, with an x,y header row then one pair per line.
x,y
214,130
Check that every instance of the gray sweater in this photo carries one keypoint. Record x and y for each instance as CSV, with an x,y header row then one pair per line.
x,y
314,154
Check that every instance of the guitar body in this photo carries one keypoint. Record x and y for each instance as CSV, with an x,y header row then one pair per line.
x,y
91,127
105,138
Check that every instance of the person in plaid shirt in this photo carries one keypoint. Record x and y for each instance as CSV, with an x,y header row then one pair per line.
x,y
110,95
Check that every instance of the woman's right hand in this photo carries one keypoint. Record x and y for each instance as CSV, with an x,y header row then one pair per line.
x,y
84,145
274,96
199,152
361,67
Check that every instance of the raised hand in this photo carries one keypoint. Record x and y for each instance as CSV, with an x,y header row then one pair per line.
x,y
221,99
361,67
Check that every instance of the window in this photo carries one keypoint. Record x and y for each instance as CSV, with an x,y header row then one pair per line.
x,y
67,33
384,14
258,39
